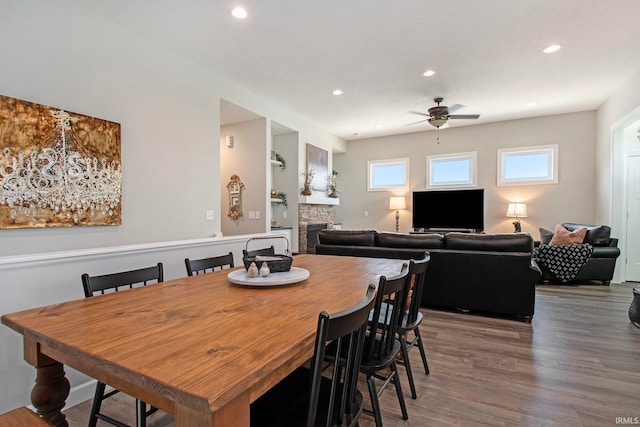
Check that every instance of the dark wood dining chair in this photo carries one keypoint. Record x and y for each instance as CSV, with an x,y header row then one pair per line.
x,y
207,265
257,252
412,318
306,397
382,345
113,283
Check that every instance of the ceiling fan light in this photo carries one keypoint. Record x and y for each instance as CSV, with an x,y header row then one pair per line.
x,y
437,121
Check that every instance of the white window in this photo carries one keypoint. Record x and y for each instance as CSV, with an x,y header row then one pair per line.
x,y
452,170
528,165
387,175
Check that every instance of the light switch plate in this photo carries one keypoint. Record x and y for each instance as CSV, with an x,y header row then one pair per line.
x,y
209,215
252,214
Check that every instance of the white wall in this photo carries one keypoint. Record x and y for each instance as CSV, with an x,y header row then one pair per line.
x,y
57,53
248,160
569,200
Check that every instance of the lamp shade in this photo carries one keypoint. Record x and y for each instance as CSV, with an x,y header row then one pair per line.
x,y
517,210
397,203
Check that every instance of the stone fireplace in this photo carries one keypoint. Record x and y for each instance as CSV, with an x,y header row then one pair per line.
x,y
314,215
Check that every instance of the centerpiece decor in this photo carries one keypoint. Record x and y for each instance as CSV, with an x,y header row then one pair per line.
x,y
307,179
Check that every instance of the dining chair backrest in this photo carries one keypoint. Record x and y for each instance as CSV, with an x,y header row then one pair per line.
x,y
264,251
116,281
384,323
207,265
417,274
346,332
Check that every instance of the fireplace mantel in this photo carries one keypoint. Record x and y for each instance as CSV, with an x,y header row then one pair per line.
x,y
318,199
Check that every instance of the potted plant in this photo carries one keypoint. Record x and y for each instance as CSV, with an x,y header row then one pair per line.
x,y
283,163
333,184
307,178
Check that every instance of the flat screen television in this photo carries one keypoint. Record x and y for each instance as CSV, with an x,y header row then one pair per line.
x,y
449,210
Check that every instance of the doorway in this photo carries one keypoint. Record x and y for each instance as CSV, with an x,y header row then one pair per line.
x,y
631,134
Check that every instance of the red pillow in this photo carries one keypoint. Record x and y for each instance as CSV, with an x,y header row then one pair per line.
x,y
562,236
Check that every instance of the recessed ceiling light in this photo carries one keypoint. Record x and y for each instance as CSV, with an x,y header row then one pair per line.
x,y
239,12
378,126
429,73
337,92
552,48
531,104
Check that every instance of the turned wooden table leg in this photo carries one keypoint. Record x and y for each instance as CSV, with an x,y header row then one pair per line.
x,y
52,387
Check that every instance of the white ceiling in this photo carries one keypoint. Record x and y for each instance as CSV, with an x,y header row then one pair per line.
x,y
487,54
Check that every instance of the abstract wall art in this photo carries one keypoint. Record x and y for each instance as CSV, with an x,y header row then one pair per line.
x,y
318,161
57,168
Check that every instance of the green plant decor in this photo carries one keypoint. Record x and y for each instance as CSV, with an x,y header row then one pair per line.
x,y
282,196
282,161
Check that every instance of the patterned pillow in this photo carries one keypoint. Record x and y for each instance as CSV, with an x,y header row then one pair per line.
x,y
562,236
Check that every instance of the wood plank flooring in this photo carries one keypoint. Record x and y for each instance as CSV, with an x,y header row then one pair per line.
x,y
576,364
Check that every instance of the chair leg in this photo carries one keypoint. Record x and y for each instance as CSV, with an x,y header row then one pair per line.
x,y
97,402
141,413
407,365
422,352
396,382
375,405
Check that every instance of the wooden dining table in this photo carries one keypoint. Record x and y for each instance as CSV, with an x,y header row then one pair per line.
x,y
200,348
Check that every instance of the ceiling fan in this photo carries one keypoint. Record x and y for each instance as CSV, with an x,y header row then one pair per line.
x,y
440,114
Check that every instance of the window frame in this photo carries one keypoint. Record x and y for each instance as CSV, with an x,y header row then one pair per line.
x,y
552,162
472,182
371,168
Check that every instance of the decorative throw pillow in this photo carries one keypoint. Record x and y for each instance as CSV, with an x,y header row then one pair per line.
x,y
545,236
562,236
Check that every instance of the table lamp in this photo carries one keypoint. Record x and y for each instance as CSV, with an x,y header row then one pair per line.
x,y
517,210
397,204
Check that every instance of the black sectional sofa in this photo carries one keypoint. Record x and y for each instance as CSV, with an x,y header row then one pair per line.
x,y
492,273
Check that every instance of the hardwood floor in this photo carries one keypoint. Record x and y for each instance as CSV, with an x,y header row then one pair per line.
x,y
576,364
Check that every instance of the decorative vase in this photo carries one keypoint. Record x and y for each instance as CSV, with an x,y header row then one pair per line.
x,y
252,271
264,270
634,308
333,194
306,191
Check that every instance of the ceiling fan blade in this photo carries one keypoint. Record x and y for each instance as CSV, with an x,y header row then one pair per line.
x,y
415,123
454,107
417,112
465,116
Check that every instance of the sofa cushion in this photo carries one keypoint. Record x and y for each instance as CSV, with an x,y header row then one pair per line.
x,y
499,242
418,241
597,235
347,237
562,236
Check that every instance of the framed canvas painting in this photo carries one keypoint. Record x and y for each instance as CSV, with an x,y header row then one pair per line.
x,y
57,168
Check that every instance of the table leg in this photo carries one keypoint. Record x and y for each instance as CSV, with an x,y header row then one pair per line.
x,y
52,387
